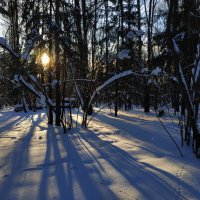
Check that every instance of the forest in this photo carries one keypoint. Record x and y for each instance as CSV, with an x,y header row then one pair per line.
x,y
99,99
115,53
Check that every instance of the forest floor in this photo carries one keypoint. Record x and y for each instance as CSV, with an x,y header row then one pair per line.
x,y
130,157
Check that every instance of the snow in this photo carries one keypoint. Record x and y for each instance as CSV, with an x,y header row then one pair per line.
x,y
42,100
16,78
139,33
18,105
33,78
197,71
144,70
50,102
123,54
198,51
29,42
134,33
29,45
180,36
54,82
2,41
28,86
4,44
129,157
26,56
150,81
113,78
130,34
156,71
174,78
185,85
108,82
176,48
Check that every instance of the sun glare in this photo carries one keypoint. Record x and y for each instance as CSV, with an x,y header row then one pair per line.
x,y
45,59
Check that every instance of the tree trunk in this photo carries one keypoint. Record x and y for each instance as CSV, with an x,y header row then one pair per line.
x,y
57,65
50,114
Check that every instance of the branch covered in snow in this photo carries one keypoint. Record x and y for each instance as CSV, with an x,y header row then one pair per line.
x,y
28,86
197,72
33,78
108,82
7,46
115,77
156,71
130,34
185,85
193,15
176,48
179,37
124,54
29,46
134,33
174,78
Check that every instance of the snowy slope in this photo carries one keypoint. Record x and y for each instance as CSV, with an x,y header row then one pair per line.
x,y
129,157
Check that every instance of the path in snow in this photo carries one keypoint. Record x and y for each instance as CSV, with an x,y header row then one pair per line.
x,y
130,157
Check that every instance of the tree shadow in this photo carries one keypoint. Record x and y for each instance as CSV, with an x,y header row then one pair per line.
x,y
74,179
150,135
17,160
151,182
82,166
7,125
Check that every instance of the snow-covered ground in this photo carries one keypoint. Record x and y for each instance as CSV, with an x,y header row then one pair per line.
x,y
129,157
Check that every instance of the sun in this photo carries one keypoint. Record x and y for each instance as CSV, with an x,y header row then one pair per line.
x,y
45,59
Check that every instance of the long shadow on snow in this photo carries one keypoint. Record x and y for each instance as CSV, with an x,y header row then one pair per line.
x,y
139,175
148,118
58,171
152,134
10,124
71,173
17,162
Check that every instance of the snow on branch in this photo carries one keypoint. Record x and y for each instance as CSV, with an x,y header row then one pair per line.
x,y
108,82
156,71
28,86
197,72
33,78
185,85
198,51
176,48
124,54
6,46
180,36
174,78
193,15
134,33
42,92
29,46
115,77
131,34
26,54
